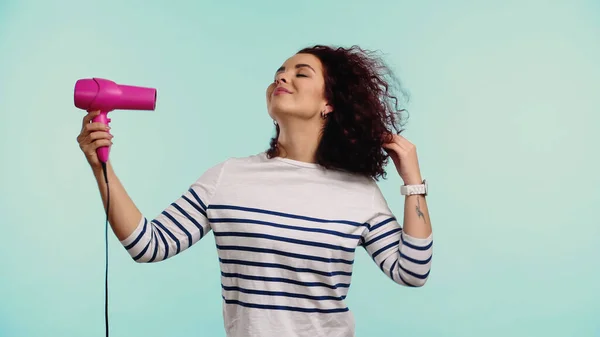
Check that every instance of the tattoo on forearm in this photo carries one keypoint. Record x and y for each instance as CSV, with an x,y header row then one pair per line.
x,y
419,212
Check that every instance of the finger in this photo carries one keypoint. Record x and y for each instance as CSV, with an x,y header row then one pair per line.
x,y
91,148
91,127
403,142
86,139
394,147
101,142
96,135
87,118
394,155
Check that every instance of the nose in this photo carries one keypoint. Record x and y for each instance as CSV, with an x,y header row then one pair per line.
x,y
281,77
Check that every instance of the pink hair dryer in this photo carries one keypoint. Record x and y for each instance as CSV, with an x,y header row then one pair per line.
x,y
93,94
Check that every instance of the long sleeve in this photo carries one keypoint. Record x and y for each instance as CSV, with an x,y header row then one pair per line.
x,y
183,223
404,259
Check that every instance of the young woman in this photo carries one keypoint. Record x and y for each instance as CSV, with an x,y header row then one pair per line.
x,y
287,221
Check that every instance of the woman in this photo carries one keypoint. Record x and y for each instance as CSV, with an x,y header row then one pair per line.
x,y
287,221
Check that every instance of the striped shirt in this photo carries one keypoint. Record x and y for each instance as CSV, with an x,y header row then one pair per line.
x,y
286,234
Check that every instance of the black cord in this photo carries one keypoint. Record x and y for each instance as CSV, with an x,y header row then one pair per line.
x,y
106,251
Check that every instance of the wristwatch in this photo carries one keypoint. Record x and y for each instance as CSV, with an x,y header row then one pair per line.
x,y
414,189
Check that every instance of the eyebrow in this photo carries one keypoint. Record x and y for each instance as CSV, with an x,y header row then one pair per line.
x,y
298,66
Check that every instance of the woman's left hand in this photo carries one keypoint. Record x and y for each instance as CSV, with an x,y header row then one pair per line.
x,y
404,155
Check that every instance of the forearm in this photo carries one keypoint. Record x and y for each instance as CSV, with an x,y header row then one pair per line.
x,y
123,215
403,252
416,217
414,260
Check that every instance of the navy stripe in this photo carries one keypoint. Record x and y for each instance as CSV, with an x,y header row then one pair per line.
x,y
286,308
419,276
413,274
381,224
155,239
392,269
408,284
137,257
164,243
287,215
191,190
278,252
410,259
196,223
286,267
284,239
409,245
386,234
384,249
282,293
129,246
273,224
169,234
285,280
200,210
189,236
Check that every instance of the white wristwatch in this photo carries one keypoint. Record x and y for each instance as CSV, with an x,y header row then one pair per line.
x,y
414,189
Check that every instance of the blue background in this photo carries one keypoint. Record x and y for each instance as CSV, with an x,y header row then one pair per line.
x,y
503,111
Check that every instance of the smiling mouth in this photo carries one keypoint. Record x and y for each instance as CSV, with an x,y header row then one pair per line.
x,y
281,91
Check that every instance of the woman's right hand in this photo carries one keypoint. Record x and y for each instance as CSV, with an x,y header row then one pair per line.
x,y
93,136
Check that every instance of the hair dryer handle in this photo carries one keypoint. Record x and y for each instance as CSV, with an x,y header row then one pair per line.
x,y
102,151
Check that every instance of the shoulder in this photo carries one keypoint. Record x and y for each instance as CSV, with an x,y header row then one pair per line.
x,y
367,187
366,184
255,158
237,161
240,164
233,164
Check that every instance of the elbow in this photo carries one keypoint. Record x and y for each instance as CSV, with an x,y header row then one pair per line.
x,y
418,282
137,258
149,254
413,268
145,259
415,278
141,260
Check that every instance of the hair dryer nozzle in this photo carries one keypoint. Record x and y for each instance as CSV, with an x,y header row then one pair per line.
x,y
137,98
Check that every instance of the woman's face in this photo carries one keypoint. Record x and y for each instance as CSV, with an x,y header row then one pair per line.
x,y
298,89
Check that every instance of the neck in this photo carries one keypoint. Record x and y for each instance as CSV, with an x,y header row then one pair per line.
x,y
298,140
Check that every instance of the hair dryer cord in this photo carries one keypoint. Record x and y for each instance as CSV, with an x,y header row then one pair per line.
x,y
106,250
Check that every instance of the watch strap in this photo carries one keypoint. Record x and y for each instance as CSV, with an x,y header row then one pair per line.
x,y
414,189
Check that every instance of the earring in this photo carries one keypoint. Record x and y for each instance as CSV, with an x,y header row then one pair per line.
x,y
275,122
323,115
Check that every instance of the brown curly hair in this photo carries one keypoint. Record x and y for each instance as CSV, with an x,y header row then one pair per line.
x,y
365,113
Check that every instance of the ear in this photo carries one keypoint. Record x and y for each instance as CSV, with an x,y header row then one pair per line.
x,y
328,108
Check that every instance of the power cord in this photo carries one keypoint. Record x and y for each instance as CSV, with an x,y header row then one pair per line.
x,y
106,251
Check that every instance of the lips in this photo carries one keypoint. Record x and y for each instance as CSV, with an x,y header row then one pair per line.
x,y
281,91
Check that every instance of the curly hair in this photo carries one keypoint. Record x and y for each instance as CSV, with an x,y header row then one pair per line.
x,y
365,113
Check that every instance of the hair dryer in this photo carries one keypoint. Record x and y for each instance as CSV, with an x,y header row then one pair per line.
x,y
93,94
